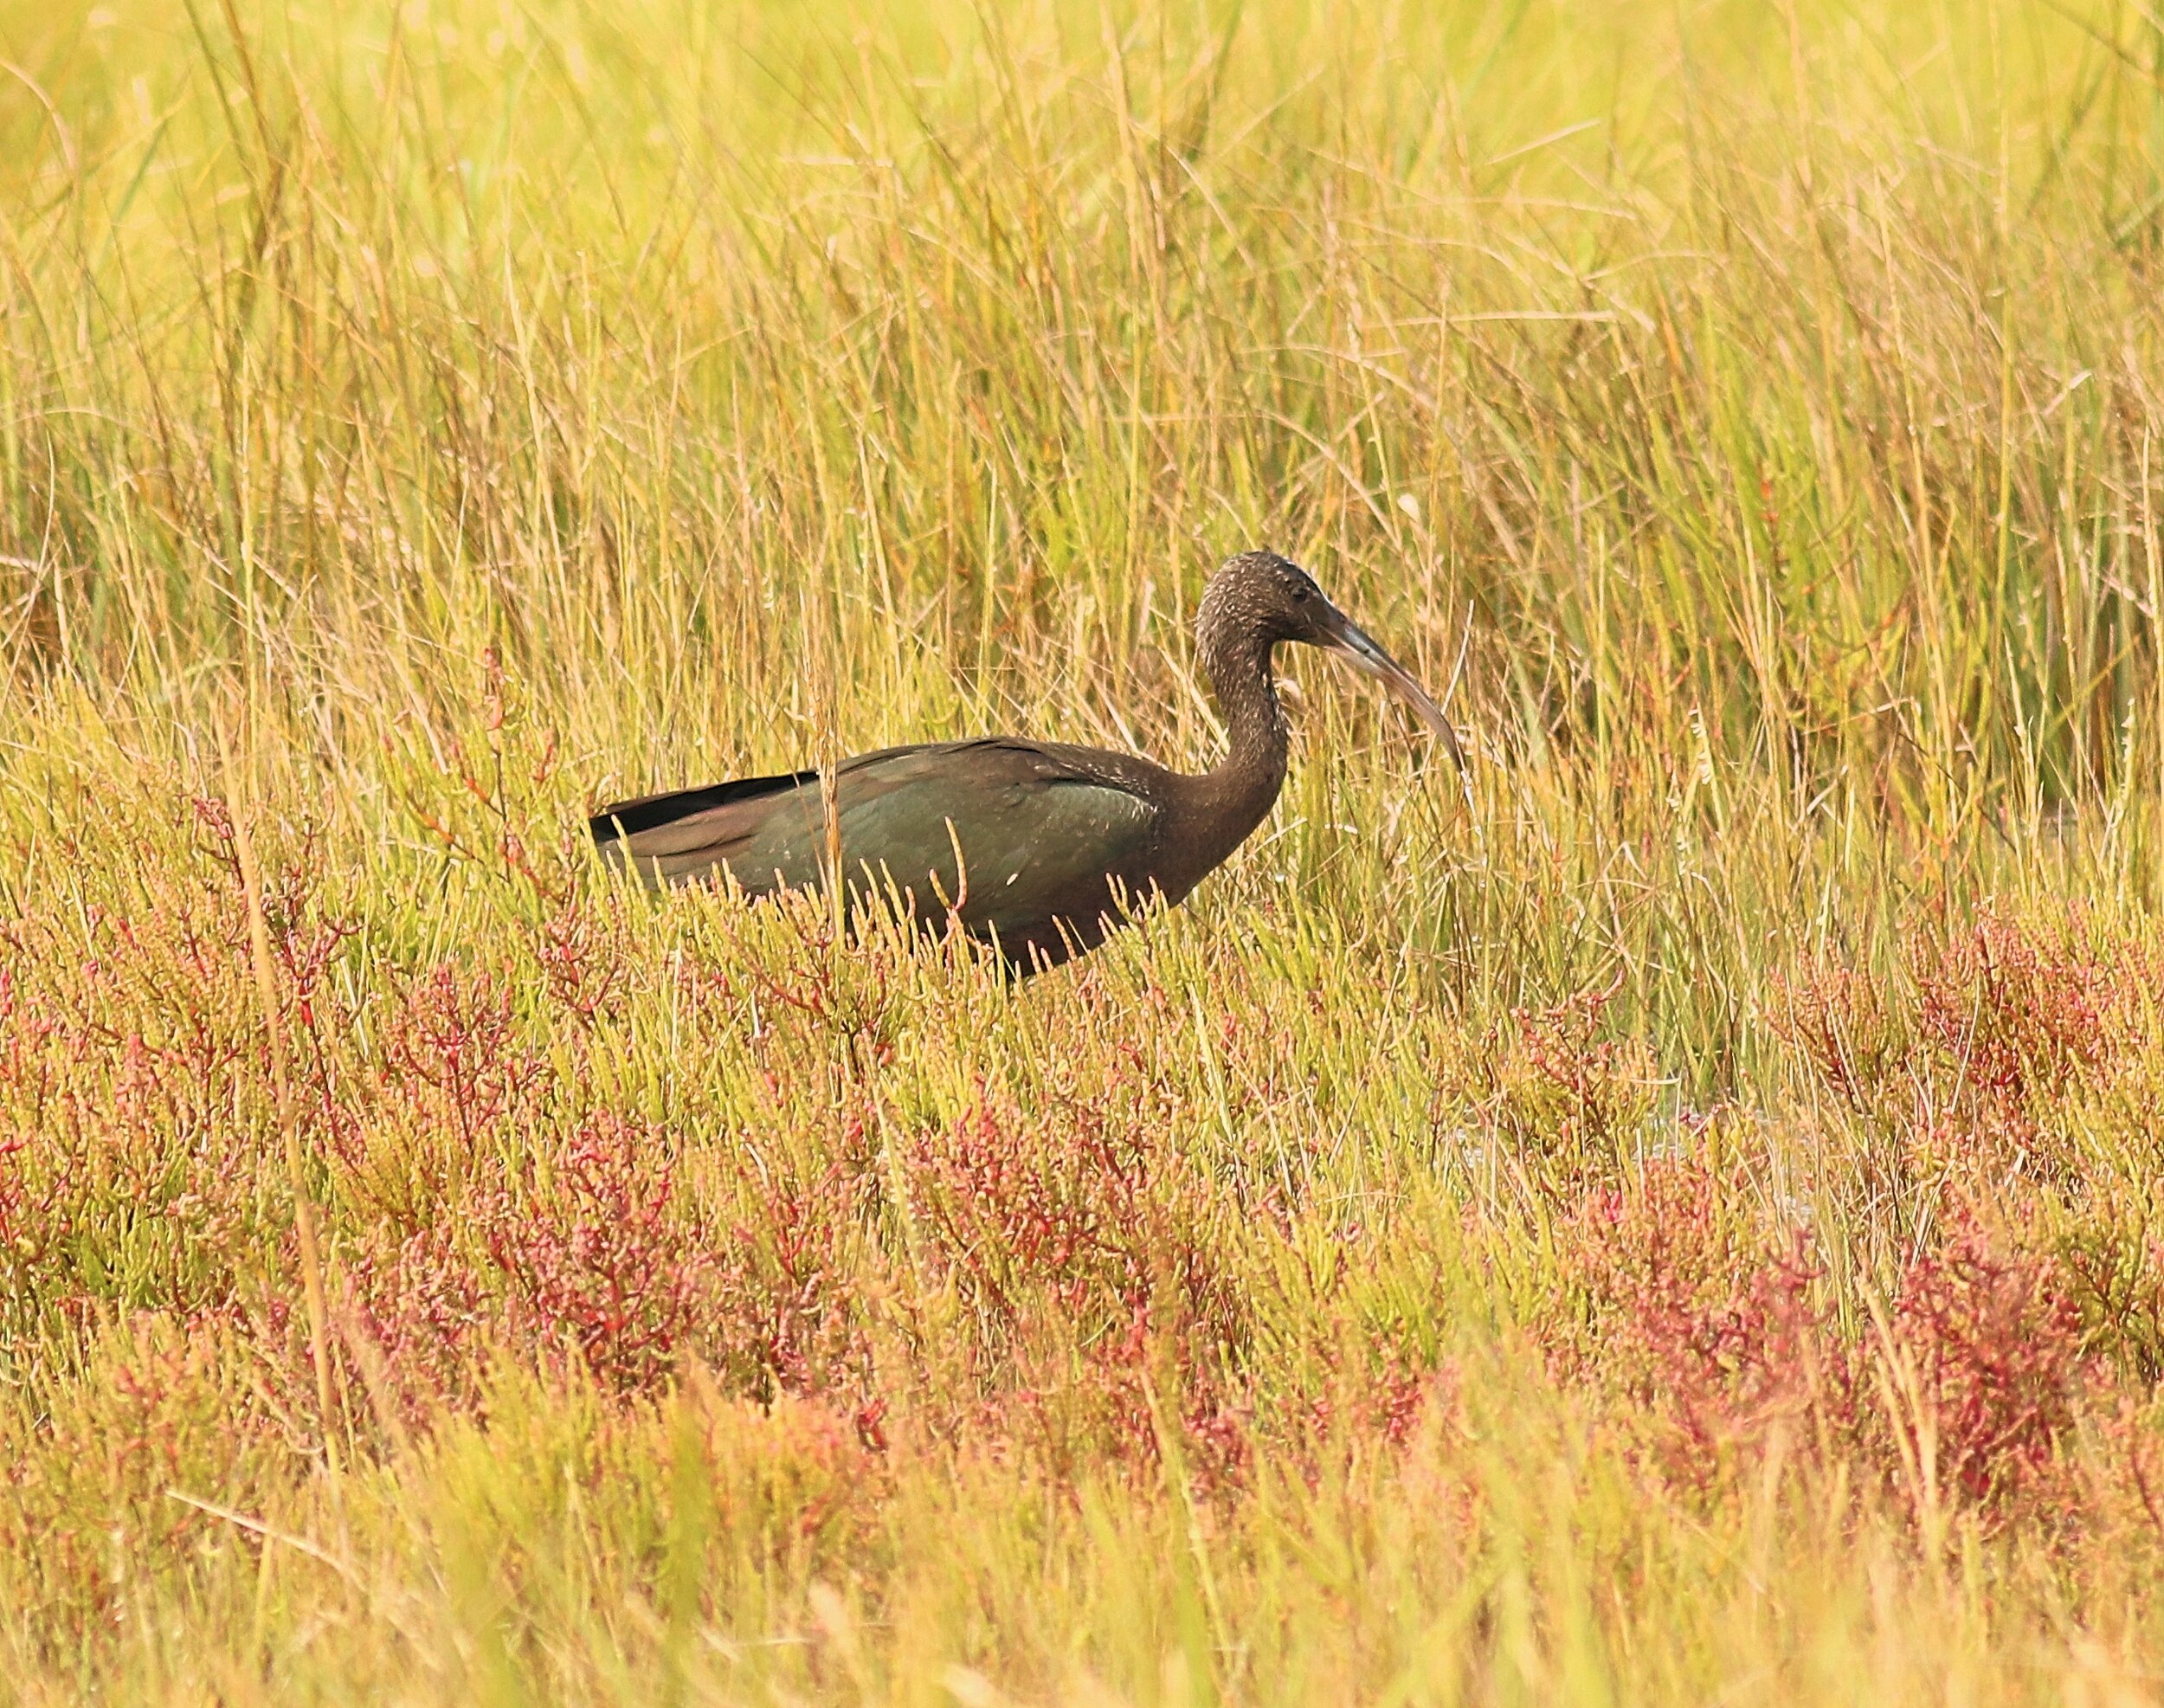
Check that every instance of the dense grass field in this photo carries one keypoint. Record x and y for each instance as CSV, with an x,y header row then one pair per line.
x,y
1674,1218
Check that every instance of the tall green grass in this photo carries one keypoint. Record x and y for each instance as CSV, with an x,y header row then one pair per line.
x,y
466,413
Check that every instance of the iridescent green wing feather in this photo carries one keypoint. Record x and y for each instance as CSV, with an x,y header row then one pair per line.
x,y
1037,837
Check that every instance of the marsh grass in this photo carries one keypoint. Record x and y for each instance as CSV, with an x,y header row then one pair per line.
x,y
1669,1220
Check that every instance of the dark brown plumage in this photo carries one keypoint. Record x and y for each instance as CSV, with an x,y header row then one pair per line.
x,y
1057,844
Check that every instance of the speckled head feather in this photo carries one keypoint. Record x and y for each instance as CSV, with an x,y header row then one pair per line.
x,y
1258,598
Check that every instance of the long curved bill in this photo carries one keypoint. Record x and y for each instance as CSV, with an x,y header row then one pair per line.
x,y
1359,649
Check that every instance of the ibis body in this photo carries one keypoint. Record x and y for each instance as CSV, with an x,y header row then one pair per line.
x,y
1035,848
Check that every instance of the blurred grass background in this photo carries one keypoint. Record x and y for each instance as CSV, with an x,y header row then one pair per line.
x,y
476,411
1770,390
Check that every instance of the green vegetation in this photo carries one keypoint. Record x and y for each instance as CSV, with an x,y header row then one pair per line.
x,y
1674,1221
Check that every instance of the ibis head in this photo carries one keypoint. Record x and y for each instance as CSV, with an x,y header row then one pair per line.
x,y
1259,597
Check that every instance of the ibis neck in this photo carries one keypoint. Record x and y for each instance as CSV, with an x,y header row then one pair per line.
x,y
1242,787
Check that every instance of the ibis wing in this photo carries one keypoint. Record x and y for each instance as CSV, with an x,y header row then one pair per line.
x,y
1016,856
1010,835
1040,840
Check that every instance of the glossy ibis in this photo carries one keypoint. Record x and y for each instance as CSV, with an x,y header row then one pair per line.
x,y
1036,848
